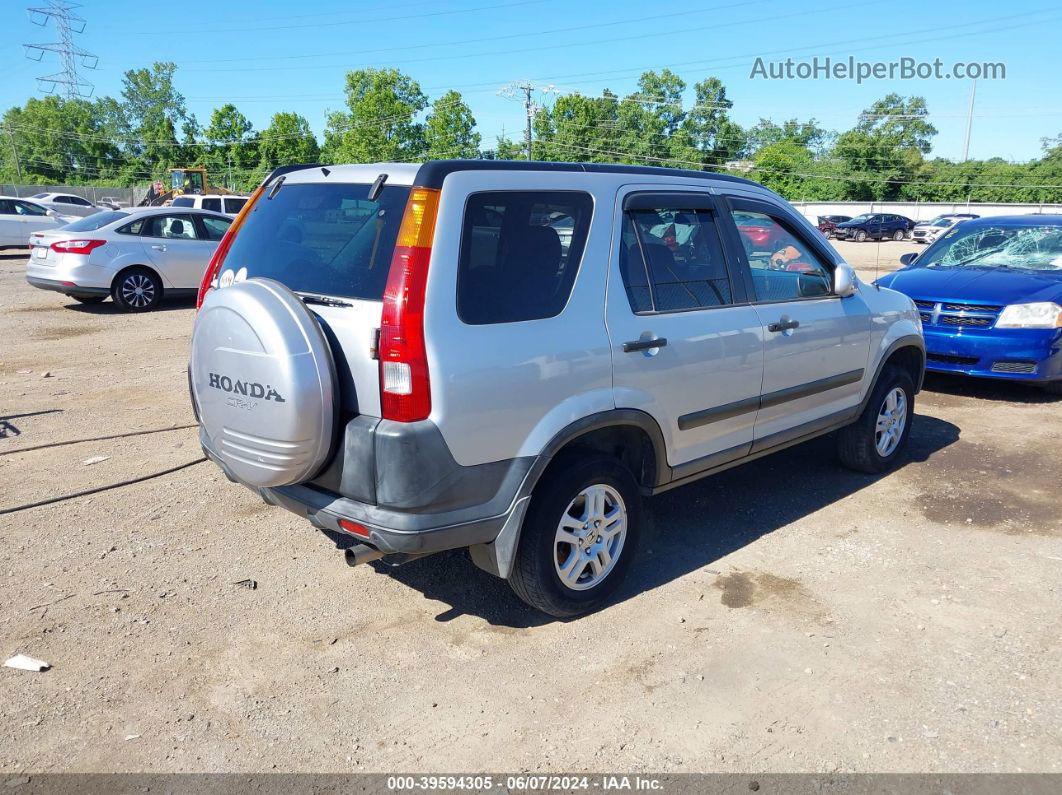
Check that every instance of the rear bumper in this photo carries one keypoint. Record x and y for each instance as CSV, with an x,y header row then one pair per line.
x,y
400,482
1030,355
66,288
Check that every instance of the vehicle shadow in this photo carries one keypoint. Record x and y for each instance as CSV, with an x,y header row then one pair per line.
x,y
988,389
108,307
689,528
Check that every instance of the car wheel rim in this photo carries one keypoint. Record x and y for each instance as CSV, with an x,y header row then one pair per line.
x,y
892,419
590,537
138,290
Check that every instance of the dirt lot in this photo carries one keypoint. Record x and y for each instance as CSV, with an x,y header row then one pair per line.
x,y
787,616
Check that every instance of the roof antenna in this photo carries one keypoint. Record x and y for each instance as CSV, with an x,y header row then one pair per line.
x,y
377,186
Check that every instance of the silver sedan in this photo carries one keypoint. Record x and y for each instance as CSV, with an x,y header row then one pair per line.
x,y
132,256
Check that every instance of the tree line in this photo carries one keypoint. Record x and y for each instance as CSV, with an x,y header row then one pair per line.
x,y
138,136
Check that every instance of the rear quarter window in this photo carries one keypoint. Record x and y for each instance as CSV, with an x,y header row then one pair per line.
x,y
520,252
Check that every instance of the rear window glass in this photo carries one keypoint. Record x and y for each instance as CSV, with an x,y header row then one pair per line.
x,y
520,251
95,221
322,238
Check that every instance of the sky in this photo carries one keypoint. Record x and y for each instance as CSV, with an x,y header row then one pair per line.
x,y
267,56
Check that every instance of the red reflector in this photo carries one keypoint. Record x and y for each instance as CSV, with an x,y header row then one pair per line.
x,y
354,528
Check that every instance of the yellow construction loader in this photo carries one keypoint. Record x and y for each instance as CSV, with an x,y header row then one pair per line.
x,y
182,180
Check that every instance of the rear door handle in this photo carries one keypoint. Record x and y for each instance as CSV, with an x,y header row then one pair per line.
x,y
644,345
159,248
783,324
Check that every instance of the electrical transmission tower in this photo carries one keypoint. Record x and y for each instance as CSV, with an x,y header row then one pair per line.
x,y
67,81
527,88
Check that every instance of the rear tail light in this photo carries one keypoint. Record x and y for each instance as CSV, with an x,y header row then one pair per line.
x,y
76,246
405,392
210,275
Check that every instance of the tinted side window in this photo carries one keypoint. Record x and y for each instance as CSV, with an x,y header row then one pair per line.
x,y
215,227
784,267
520,251
671,260
25,208
133,228
183,201
7,207
214,205
234,205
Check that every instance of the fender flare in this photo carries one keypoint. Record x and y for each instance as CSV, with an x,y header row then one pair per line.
x,y
906,341
497,556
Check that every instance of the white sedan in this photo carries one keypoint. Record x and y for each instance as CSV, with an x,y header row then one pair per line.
x,y
20,218
67,203
133,256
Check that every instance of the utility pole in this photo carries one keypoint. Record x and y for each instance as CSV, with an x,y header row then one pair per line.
x,y
969,121
14,151
230,169
527,88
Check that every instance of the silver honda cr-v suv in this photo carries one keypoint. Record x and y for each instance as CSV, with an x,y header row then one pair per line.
x,y
510,356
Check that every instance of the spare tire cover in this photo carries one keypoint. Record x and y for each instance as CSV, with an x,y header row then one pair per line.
x,y
264,381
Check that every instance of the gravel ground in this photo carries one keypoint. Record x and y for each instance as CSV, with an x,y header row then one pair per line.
x,y
787,615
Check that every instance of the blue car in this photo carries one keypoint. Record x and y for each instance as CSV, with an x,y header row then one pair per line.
x,y
989,292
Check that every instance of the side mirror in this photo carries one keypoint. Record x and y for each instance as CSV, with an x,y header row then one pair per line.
x,y
845,281
908,258
52,213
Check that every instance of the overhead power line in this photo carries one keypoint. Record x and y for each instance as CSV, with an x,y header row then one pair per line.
x,y
67,24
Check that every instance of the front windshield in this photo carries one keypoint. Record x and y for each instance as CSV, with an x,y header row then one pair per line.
x,y
863,217
1033,247
943,222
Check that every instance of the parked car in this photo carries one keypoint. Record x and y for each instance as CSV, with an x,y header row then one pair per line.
x,y
66,203
433,375
133,256
874,226
928,231
989,292
827,223
20,218
228,205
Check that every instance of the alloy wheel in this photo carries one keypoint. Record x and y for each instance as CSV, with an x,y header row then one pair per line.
x,y
892,419
590,537
138,290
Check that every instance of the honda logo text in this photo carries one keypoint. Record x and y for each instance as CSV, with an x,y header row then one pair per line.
x,y
248,388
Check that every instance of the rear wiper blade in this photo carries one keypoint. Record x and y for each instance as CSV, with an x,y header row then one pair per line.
x,y
323,300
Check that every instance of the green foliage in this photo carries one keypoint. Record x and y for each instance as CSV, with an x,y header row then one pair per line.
x,y
381,123
449,131
230,146
287,140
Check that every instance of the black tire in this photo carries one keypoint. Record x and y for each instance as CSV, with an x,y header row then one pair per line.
x,y
89,299
126,284
534,577
859,236
898,235
857,443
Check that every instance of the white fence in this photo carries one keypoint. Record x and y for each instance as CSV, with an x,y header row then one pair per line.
x,y
920,211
